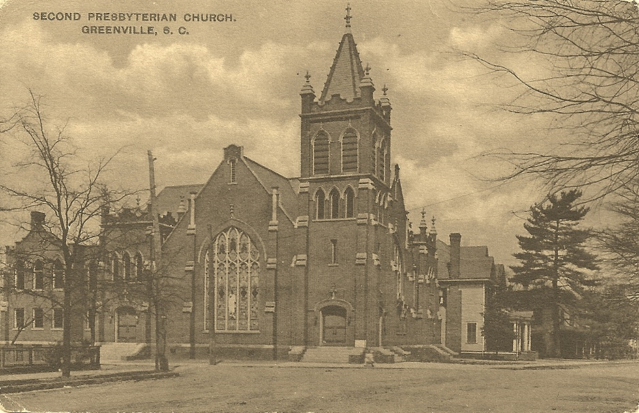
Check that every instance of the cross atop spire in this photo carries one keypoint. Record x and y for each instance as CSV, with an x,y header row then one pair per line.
x,y
384,89
367,69
348,17
307,76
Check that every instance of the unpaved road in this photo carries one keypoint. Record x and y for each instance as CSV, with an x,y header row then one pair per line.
x,y
428,388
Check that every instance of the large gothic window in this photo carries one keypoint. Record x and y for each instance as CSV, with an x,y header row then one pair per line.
x,y
320,199
320,153
207,292
236,269
349,151
349,203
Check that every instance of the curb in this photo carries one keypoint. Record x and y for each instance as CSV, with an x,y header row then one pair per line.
x,y
19,386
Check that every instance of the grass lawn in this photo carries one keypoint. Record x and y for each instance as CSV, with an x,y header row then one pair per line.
x,y
433,387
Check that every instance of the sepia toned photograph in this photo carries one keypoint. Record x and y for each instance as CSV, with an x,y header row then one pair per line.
x,y
329,206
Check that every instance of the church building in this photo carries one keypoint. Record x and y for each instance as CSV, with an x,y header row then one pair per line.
x,y
258,265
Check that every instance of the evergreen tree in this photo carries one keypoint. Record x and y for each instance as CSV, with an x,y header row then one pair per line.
x,y
553,258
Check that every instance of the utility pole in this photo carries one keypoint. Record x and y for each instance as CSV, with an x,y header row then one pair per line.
x,y
161,362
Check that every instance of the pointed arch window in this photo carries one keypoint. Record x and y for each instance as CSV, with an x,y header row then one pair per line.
x,y
19,275
58,275
333,202
126,264
232,171
115,267
38,275
349,151
207,293
138,268
320,153
236,276
320,200
381,160
349,203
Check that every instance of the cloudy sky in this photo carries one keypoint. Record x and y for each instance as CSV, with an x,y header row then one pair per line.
x,y
188,96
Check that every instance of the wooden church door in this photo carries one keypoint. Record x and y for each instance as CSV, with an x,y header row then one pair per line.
x,y
334,322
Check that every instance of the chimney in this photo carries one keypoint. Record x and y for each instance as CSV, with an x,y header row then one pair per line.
x,y
455,255
37,220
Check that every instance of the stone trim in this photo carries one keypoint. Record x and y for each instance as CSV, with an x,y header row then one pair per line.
x,y
360,258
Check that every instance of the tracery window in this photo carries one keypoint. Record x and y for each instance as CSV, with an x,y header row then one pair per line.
x,y
334,203
207,292
320,153
236,269
349,203
349,151
320,199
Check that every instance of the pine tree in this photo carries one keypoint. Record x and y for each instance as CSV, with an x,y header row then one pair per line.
x,y
554,262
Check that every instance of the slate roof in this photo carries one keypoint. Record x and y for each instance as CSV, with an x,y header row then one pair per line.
x,y
169,198
346,72
475,263
269,179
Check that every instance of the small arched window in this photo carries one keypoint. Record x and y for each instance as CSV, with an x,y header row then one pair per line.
x,y
349,151
138,269
58,275
320,153
232,171
126,263
381,160
320,199
19,276
334,203
115,267
38,275
349,203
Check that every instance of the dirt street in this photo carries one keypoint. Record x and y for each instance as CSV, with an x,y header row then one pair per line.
x,y
414,388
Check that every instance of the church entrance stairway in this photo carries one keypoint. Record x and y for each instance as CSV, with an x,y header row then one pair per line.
x,y
333,354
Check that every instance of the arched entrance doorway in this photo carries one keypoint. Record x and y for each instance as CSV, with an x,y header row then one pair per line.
x,y
334,326
127,325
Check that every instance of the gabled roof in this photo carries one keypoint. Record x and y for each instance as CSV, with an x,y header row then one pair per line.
x,y
169,198
346,72
475,263
269,179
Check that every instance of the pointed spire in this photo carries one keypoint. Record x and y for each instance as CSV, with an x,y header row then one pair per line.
x,y
346,72
384,99
348,17
433,230
307,88
366,80
422,224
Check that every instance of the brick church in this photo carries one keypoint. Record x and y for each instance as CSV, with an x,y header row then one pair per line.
x,y
266,266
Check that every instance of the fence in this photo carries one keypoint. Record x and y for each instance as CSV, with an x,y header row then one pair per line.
x,y
82,357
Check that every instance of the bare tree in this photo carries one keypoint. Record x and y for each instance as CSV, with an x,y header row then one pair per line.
x,y
587,81
55,180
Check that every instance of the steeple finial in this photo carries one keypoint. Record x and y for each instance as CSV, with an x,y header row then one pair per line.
x,y
348,17
384,89
433,230
307,76
367,69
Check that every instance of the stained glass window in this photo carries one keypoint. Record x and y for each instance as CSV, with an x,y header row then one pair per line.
x,y
236,272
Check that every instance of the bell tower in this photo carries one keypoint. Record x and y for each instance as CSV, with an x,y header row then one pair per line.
x,y
345,133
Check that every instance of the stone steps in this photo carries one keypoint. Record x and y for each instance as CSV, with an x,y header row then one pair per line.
x,y
328,354
119,351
